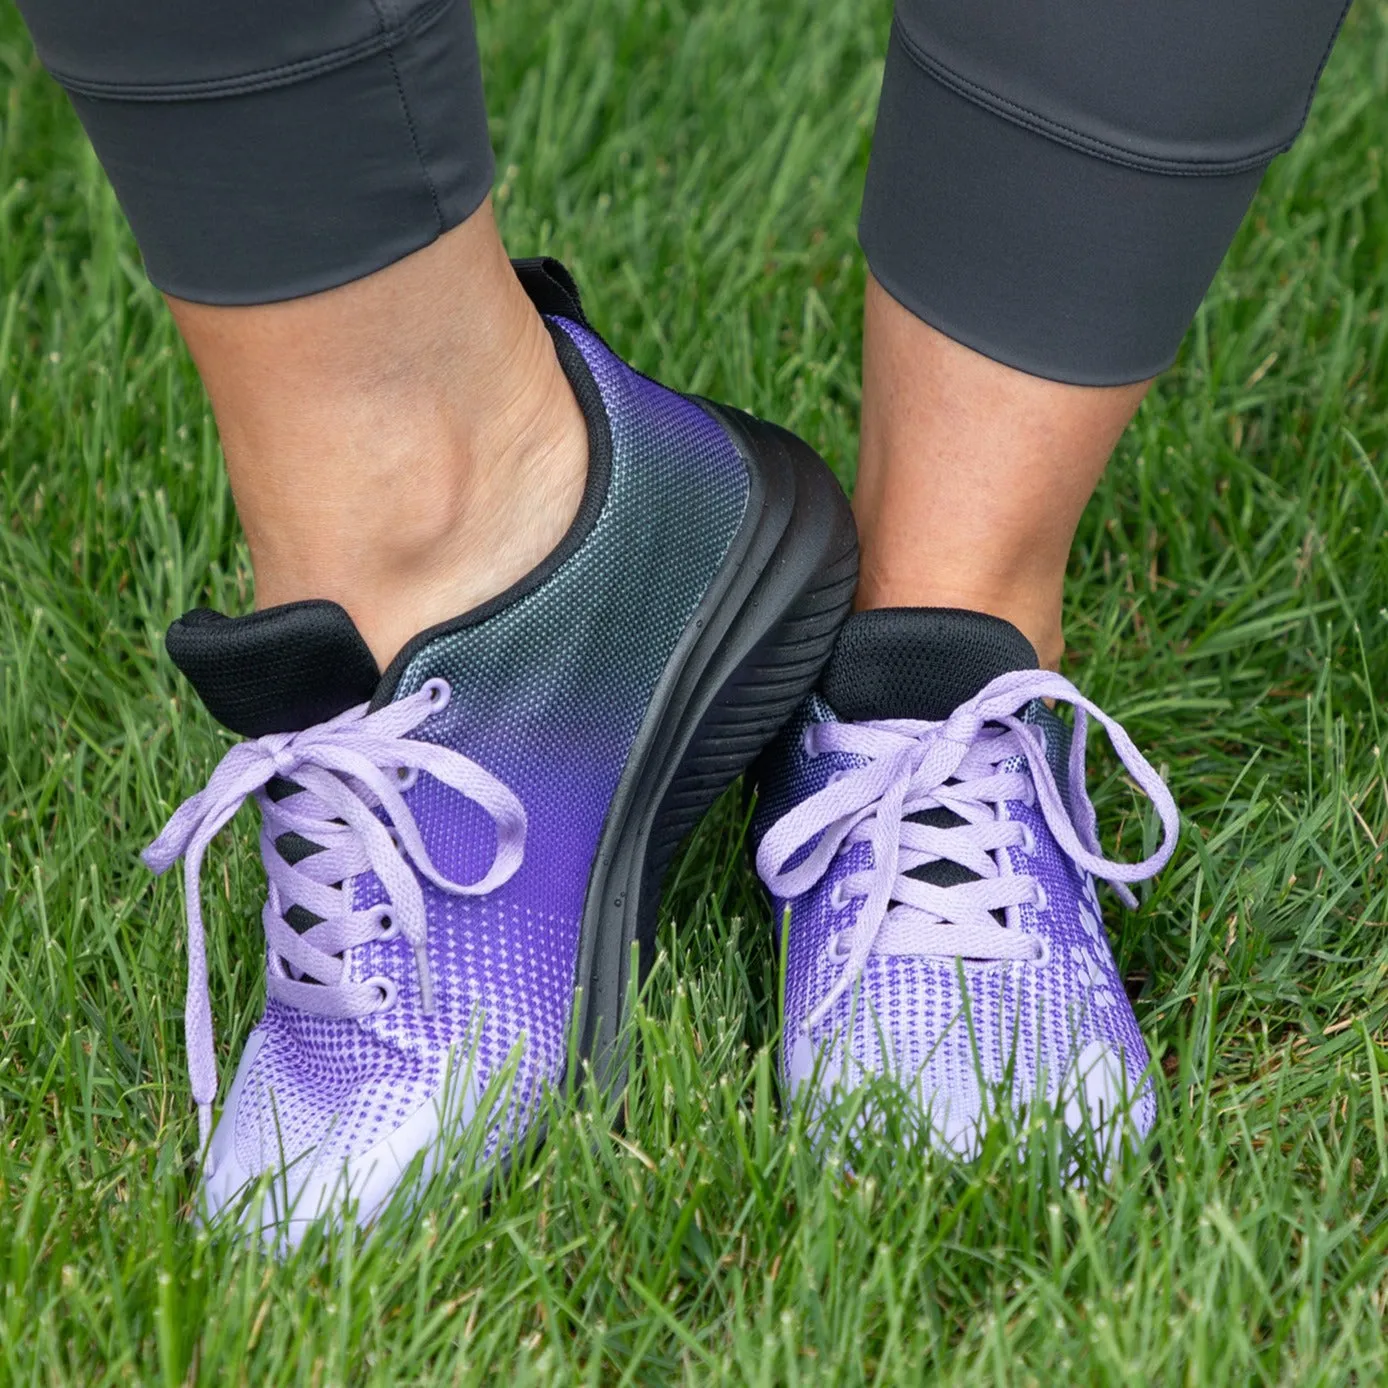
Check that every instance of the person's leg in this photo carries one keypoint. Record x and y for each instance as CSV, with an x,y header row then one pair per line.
x,y
605,596
405,445
1010,459
307,185
1052,188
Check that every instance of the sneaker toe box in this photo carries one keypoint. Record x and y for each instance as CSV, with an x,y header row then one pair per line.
x,y
959,1053
282,1179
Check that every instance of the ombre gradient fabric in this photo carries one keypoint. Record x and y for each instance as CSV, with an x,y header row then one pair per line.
x,y
547,692
944,929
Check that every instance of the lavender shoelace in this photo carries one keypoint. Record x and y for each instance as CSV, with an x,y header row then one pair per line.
x,y
347,768
958,765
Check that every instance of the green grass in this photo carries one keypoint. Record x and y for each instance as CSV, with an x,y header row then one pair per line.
x,y
700,168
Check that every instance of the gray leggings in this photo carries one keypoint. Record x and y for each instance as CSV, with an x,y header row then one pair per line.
x,y
1053,182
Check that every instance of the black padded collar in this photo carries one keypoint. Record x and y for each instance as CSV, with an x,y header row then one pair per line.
x,y
918,662
275,671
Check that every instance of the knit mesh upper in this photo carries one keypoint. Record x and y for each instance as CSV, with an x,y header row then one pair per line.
x,y
548,694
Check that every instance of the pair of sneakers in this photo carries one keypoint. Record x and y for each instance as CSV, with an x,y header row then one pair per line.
x,y
464,852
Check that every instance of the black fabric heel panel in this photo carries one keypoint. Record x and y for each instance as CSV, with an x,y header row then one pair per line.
x,y
551,288
919,662
276,671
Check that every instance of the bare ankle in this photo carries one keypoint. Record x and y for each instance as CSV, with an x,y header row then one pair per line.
x,y
972,475
440,517
407,445
1033,609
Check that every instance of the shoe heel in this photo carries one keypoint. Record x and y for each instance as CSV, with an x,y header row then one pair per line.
x,y
778,645
753,707
762,640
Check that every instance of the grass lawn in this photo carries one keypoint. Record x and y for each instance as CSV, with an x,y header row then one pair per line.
x,y
699,167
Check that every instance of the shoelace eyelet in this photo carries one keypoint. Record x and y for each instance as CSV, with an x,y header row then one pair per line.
x,y
439,692
837,951
1042,901
387,991
839,899
386,925
405,777
1028,844
1041,955
340,801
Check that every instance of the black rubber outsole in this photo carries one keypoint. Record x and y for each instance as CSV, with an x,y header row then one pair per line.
x,y
752,651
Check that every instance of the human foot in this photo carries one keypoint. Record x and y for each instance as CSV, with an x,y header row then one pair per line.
x,y
926,837
463,850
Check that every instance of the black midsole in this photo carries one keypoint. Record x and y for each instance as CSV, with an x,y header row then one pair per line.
x,y
753,649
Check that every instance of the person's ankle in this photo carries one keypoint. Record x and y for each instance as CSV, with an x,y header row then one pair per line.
x,y
973,474
460,509
407,444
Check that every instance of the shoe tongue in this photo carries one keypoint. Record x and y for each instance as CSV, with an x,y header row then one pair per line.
x,y
918,662
921,662
275,671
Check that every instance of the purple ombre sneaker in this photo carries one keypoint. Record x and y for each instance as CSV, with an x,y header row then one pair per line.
x,y
462,851
924,823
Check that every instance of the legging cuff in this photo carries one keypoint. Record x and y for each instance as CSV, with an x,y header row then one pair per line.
x,y
1065,263
296,177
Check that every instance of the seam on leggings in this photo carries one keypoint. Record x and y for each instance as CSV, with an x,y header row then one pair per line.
x,y
378,6
242,84
1320,67
1079,140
